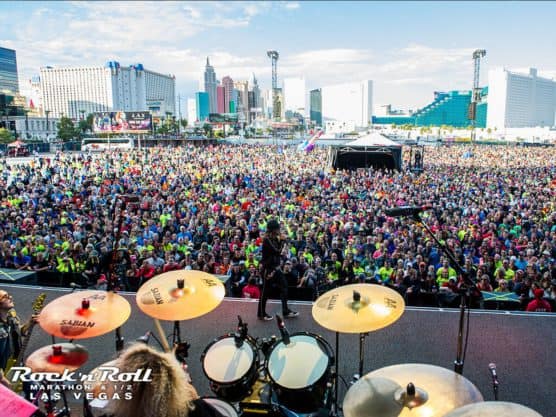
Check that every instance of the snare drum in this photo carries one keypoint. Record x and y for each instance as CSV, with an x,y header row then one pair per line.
x,y
231,370
226,409
300,371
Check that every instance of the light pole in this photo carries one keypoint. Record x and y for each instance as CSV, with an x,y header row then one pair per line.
x,y
26,123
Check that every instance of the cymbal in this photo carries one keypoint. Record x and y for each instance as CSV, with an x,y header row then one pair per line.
x,y
84,314
180,295
372,397
493,409
358,308
57,358
438,390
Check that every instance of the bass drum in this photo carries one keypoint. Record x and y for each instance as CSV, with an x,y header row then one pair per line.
x,y
299,372
231,370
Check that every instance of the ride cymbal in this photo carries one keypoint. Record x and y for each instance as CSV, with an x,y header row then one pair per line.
x,y
372,397
358,308
57,358
180,295
84,314
493,409
437,390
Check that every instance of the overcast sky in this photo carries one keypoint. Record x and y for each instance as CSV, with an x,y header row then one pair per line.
x,y
409,49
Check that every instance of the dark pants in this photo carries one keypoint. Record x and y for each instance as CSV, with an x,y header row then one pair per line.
x,y
278,280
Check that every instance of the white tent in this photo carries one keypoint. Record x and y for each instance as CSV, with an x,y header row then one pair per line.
x,y
372,140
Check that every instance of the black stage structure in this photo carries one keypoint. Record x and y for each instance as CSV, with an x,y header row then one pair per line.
x,y
373,150
522,345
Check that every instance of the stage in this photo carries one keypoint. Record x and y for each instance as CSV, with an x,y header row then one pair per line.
x,y
521,345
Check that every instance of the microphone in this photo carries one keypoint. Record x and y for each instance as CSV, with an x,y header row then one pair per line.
x,y
406,210
145,338
283,331
492,369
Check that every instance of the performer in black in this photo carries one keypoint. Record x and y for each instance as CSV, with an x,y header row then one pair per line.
x,y
272,272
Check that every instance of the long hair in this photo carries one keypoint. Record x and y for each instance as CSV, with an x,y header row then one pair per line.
x,y
169,394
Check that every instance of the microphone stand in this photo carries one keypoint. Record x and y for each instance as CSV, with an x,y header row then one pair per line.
x,y
465,293
112,278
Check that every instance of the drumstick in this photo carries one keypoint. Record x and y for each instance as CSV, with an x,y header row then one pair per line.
x,y
162,335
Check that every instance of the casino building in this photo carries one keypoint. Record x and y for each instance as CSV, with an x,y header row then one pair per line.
x,y
78,91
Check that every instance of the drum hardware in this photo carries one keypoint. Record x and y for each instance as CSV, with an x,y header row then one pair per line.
x,y
225,408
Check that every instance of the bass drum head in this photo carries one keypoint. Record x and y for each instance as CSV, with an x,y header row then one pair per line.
x,y
225,363
226,409
299,364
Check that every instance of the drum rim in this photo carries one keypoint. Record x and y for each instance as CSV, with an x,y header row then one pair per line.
x,y
250,341
212,397
329,355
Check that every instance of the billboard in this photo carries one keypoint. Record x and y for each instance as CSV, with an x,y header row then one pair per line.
x,y
223,117
122,122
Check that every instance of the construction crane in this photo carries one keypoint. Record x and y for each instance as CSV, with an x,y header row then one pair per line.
x,y
276,111
476,93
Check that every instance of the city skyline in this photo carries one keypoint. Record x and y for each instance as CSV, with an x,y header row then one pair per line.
x,y
408,49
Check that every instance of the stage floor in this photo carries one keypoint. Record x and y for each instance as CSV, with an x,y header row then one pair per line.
x,y
521,345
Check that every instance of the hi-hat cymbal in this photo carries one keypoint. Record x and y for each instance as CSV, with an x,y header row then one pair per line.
x,y
370,397
446,390
180,295
358,308
57,358
84,314
493,409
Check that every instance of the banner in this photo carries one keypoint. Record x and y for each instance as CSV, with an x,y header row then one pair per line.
x,y
122,122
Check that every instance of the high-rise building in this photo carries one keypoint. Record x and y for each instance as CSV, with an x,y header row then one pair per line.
x,y
242,105
34,96
520,100
203,106
191,110
228,85
254,100
294,95
8,72
316,106
75,91
210,87
348,102
220,94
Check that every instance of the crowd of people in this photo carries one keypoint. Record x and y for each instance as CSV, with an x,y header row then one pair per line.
x,y
119,218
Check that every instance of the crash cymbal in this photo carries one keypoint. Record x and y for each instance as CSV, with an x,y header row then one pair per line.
x,y
371,397
358,308
493,409
57,358
180,295
84,314
437,390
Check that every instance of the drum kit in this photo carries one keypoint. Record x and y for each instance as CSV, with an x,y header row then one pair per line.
x,y
296,375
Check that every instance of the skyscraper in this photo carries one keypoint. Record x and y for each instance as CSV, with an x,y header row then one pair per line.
x,y
255,102
242,106
294,95
316,106
350,102
203,107
191,110
228,85
210,87
8,72
220,92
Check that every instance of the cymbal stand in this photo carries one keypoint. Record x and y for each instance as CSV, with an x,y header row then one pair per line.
x,y
361,353
336,375
465,291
